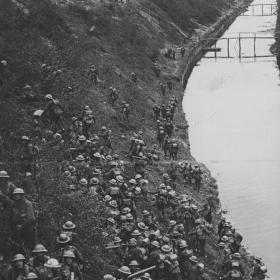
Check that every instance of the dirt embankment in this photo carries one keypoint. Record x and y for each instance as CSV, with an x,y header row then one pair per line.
x,y
69,36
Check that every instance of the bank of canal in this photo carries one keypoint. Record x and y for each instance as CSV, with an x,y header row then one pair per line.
x,y
232,107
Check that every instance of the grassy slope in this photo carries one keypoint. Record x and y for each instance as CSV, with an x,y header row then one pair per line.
x,y
125,38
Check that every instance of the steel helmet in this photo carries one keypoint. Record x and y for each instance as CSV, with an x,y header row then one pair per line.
x,y
183,245
125,270
94,181
103,128
194,259
166,248
108,277
83,182
117,240
52,263
38,113
31,275
69,225
146,276
25,138
18,191
132,242
69,254
165,176
120,179
235,264
82,138
18,257
39,248
172,223
263,269
132,181
126,210
136,233
4,62
113,203
107,198
129,217
142,226
200,266
145,213
49,97
155,244
4,174
133,263
63,238
97,155
138,176
113,182
80,158
237,255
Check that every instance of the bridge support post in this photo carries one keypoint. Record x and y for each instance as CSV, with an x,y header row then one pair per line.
x,y
262,9
228,47
255,46
239,41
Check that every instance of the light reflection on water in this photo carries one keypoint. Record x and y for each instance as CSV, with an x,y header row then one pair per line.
x,y
233,109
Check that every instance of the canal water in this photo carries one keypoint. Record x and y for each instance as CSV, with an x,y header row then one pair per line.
x,y
233,110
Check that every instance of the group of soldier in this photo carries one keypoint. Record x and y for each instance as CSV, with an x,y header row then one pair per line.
x,y
165,240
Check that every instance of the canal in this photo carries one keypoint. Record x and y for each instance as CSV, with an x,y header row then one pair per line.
x,y
233,109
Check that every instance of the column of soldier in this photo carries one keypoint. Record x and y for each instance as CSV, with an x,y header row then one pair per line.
x,y
167,242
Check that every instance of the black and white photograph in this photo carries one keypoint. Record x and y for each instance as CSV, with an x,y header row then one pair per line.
x,y
139,139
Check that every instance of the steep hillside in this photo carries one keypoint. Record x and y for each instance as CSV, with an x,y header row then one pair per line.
x,y
50,46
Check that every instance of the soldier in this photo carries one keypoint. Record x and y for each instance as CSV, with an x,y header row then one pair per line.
x,y
6,189
113,95
53,112
18,270
134,77
53,270
124,272
162,89
197,174
201,275
23,219
70,269
183,50
93,74
63,242
38,259
156,110
26,154
170,86
174,148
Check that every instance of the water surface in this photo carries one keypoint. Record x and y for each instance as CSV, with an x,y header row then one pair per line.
x,y
233,109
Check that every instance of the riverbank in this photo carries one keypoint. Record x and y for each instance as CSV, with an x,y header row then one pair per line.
x,y
118,39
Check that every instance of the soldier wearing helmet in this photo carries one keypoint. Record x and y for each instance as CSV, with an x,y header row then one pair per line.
x,y
113,95
64,244
38,259
6,189
53,112
93,74
53,270
23,219
68,228
70,268
26,154
18,269
124,272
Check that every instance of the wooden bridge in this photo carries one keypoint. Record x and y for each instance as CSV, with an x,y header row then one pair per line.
x,y
261,10
225,47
